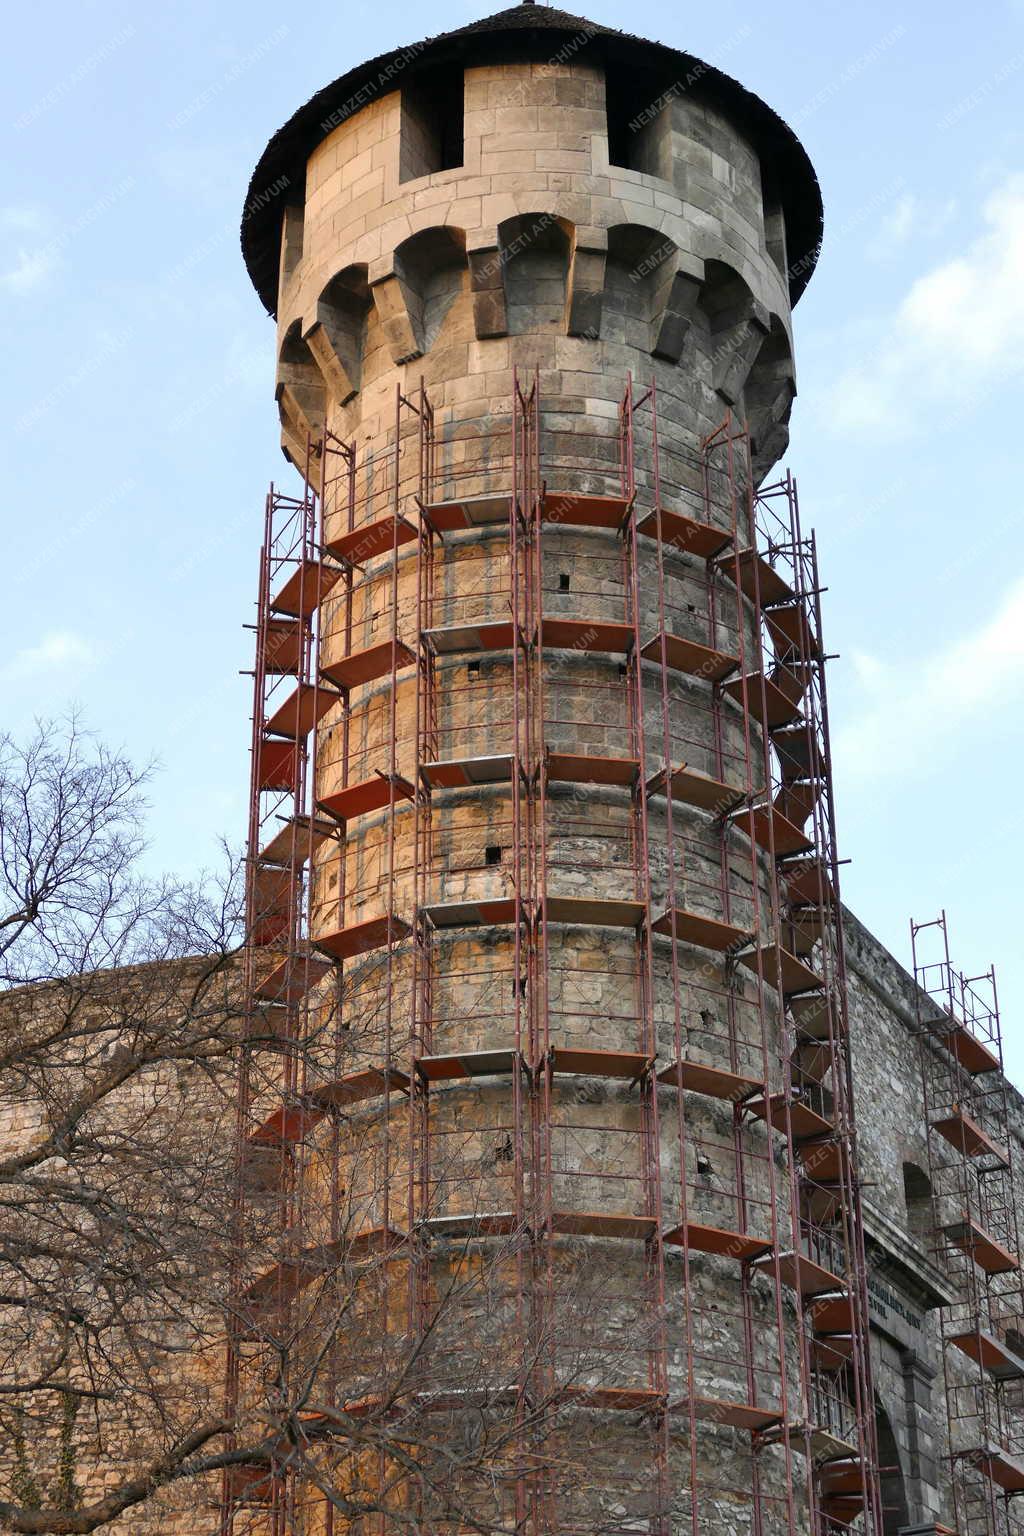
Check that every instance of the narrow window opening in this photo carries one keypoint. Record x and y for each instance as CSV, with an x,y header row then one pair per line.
x,y
492,854
433,123
640,123
563,582
292,237
472,669
775,235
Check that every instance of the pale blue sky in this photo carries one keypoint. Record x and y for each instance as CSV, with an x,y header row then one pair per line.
x,y
139,422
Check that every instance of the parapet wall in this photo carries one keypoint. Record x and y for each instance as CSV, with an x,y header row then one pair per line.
x,y
535,253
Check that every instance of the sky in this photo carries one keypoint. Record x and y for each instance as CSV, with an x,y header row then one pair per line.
x,y
139,425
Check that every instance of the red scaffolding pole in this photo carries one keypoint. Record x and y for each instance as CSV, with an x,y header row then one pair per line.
x,y
602,1058
278,973
975,1231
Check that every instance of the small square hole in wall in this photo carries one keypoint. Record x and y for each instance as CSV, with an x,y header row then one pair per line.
x,y
492,854
563,582
472,669
623,669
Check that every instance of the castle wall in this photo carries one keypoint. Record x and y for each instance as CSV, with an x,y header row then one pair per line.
x,y
907,1274
906,1359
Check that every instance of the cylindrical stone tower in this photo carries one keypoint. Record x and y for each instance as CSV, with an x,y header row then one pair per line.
x,y
567,1039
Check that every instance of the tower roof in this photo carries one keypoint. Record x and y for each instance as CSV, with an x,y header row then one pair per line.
x,y
528,30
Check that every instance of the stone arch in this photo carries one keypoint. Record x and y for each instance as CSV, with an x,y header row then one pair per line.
x,y
337,336
535,251
737,324
300,393
769,394
432,267
895,1505
649,295
414,289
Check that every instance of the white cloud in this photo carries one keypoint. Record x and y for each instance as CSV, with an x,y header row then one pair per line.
x,y
916,710
909,220
958,331
25,266
30,271
895,229
58,650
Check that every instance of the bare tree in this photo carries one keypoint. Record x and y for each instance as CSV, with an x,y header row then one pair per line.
x,y
119,1025
121,1022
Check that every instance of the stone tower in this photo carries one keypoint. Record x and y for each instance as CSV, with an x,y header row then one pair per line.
x,y
389,226
570,1157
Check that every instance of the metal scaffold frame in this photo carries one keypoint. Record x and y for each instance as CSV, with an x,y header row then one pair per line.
x,y
279,970
671,830
827,1201
975,1232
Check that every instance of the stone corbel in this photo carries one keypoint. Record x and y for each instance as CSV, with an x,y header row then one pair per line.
x,y
293,445
399,310
487,285
769,414
674,317
327,342
584,294
768,447
736,349
300,401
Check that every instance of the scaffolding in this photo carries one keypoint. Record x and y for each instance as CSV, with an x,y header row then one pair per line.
x,y
975,1232
559,1115
280,973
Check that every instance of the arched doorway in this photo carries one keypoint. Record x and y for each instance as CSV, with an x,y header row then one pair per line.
x,y
895,1511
